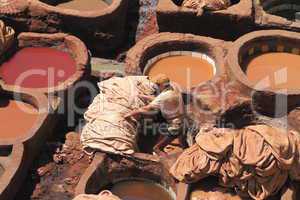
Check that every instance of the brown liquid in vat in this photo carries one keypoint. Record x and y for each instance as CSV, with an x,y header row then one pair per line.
x,y
16,118
140,190
275,71
84,5
185,70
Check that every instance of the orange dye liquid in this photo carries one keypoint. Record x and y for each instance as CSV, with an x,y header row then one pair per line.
x,y
16,118
185,70
275,71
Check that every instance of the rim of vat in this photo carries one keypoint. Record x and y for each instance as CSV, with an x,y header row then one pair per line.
x,y
40,102
243,8
72,12
158,44
12,164
233,59
77,50
100,159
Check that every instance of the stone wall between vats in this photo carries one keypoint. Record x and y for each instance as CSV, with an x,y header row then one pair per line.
x,y
101,30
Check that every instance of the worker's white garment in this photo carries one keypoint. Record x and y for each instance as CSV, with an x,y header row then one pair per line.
x,y
106,129
171,105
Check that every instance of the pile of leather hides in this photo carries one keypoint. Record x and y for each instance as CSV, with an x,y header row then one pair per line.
x,y
104,195
256,161
106,128
212,5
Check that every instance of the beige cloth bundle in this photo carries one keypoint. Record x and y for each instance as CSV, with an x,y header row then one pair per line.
x,y
256,160
7,36
201,5
104,195
106,129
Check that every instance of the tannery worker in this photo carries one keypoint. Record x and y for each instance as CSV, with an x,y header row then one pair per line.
x,y
170,103
201,5
107,128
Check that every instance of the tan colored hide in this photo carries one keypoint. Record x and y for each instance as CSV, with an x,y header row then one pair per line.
x,y
256,160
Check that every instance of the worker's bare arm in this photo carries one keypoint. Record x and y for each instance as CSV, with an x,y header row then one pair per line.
x,y
148,98
142,111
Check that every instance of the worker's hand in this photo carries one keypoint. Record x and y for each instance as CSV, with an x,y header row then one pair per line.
x,y
135,114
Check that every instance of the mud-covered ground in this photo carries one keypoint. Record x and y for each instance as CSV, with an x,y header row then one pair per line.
x,y
56,172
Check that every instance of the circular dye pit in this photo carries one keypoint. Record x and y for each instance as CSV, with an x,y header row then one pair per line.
x,y
38,67
186,69
81,5
140,190
267,63
17,118
276,71
287,9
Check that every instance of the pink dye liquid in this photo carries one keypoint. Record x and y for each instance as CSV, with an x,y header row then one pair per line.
x,y
38,67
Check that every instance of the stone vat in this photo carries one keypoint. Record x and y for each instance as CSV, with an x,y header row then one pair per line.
x,y
101,29
268,100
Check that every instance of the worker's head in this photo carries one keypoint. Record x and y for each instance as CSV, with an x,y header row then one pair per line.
x,y
161,80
